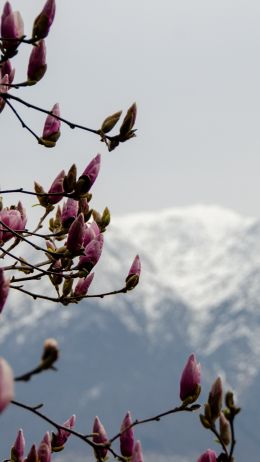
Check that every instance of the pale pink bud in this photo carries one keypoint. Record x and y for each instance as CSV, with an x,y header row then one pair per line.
x,y
190,380
57,187
91,232
60,438
15,219
4,81
69,212
51,130
6,384
37,63
208,456
44,452
4,289
44,20
100,436
47,436
11,27
32,456
215,399
82,286
76,234
17,451
127,437
138,453
92,254
133,276
7,69
224,429
22,211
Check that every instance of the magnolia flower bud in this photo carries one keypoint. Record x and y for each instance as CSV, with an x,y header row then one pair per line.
x,y
208,456
7,69
50,353
60,438
92,254
134,274
76,235
82,286
4,289
44,452
91,232
3,89
88,177
6,384
190,380
44,20
224,429
138,453
100,436
32,455
11,28
126,131
215,399
56,187
17,451
110,122
51,130
127,437
69,212
37,63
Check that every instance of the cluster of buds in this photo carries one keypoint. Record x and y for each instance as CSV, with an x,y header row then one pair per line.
x,y
48,445
15,219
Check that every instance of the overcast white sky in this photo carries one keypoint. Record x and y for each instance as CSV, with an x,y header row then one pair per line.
x,y
193,68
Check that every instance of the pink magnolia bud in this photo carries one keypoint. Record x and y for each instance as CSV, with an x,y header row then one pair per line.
x,y
6,384
224,429
4,289
32,456
208,456
69,212
44,452
138,453
88,177
4,81
7,69
76,235
127,437
100,436
82,286
14,218
92,254
57,187
44,20
190,380
60,438
134,274
17,451
47,439
11,27
215,399
91,232
51,130
37,63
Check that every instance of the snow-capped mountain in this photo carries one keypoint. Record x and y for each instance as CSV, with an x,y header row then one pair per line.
x,y
199,291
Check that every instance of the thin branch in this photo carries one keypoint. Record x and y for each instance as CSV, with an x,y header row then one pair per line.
x,y
24,125
28,375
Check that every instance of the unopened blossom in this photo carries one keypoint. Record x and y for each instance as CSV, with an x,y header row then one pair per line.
x,y
224,429
50,353
11,27
69,212
15,218
138,453
32,455
208,456
100,437
37,63
82,285
215,399
127,436
4,81
76,235
7,69
44,452
91,232
133,276
56,187
6,384
44,20
51,129
190,380
89,176
4,289
17,451
92,254
60,438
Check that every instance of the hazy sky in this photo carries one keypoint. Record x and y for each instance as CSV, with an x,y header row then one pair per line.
x,y
193,68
